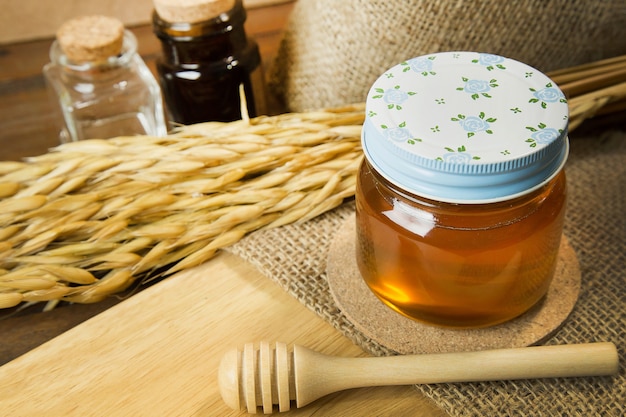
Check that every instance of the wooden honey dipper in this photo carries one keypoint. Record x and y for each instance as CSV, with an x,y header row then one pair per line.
x,y
268,376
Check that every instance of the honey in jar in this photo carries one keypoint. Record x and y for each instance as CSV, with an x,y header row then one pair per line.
x,y
461,196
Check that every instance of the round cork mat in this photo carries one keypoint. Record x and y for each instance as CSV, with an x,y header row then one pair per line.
x,y
406,336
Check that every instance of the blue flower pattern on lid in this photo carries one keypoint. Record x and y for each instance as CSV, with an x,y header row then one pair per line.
x,y
490,61
398,134
464,112
474,124
542,135
421,65
394,97
477,120
546,95
478,88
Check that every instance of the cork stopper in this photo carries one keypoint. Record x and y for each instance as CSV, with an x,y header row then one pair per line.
x,y
191,11
91,38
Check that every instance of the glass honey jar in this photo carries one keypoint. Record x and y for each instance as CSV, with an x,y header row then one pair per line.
x,y
461,196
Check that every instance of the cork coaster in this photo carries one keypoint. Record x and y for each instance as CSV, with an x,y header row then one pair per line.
x,y
406,336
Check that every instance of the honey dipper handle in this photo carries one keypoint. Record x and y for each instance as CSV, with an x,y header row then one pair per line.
x,y
317,375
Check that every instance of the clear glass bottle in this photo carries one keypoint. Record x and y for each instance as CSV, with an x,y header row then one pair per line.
x,y
101,85
461,197
208,63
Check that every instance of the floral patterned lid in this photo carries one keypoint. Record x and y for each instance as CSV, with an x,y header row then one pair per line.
x,y
465,127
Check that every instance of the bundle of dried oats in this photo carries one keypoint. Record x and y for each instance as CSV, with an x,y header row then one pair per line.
x,y
88,218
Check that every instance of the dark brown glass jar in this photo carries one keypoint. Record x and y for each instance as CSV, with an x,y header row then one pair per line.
x,y
209,69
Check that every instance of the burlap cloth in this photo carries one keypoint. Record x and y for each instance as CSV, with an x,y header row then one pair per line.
x,y
333,50
295,257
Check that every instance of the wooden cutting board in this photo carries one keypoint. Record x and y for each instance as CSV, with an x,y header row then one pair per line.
x,y
157,353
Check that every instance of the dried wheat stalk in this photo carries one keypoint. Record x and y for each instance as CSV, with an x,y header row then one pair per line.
x,y
87,219
593,89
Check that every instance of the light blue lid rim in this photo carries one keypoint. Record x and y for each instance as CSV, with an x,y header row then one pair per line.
x,y
463,184
466,127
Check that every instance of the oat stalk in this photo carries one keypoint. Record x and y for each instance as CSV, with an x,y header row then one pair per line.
x,y
89,218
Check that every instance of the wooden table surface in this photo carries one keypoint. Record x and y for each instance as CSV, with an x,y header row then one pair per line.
x,y
52,363
157,353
